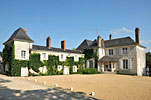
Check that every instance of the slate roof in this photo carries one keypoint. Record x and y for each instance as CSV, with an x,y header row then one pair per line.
x,y
44,48
119,42
19,34
126,41
84,44
107,58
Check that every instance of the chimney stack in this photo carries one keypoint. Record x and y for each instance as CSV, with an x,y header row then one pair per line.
x,y
99,41
25,30
48,40
137,35
103,43
110,36
63,46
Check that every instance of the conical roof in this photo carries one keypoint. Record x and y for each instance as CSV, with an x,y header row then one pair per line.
x,y
19,34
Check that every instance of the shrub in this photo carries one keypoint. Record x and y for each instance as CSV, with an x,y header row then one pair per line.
x,y
80,70
90,71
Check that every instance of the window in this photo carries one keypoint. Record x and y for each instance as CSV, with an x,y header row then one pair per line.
x,y
75,57
44,56
124,50
23,54
61,56
125,64
110,51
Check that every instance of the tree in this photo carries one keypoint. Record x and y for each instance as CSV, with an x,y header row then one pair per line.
x,y
148,61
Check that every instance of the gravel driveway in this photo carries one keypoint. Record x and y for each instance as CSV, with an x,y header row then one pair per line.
x,y
15,88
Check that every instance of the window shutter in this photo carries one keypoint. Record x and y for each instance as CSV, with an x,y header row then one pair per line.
x,y
130,63
114,53
120,49
121,64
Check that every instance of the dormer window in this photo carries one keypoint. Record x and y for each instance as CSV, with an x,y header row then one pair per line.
x,y
125,51
23,54
110,51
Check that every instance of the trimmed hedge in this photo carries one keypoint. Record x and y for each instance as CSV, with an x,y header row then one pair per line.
x,y
90,71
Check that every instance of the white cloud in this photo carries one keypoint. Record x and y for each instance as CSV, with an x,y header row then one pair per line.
x,y
122,30
146,41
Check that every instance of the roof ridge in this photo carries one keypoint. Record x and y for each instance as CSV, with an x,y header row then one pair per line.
x,y
119,38
55,47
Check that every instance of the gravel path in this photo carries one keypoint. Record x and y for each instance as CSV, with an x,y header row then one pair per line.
x,y
105,86
15,88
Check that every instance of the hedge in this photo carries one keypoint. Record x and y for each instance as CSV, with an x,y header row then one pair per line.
x,y
90,71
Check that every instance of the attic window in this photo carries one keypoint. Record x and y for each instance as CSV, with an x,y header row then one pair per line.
x,y
23,54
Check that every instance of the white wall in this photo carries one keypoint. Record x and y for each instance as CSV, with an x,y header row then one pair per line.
x,y
19,46
141,60
100,52
58,54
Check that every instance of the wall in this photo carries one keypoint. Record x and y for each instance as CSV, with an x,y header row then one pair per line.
x,y
58,54
131,57
141,61
19,46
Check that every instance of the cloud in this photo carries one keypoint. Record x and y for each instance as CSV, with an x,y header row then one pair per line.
x,y
122,30
146,41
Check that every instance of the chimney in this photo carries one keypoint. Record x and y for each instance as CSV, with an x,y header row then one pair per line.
x,y
110,36
103,43
48,40
25,30
63,46
137,35
99,41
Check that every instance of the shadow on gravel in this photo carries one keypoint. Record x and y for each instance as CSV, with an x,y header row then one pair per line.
x,y
40,94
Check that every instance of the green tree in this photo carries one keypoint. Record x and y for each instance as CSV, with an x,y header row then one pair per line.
x,y
148,61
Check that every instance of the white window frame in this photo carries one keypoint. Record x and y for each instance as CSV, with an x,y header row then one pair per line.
x,y
125,51
23,54
62,56
43,56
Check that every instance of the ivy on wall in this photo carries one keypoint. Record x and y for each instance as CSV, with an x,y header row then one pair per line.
x,y
16,66
8,56
52,63
89,53
34,61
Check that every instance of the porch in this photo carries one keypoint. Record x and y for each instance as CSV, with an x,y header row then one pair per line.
x,y
108,64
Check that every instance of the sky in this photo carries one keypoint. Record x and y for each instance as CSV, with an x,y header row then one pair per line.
x,y
75,20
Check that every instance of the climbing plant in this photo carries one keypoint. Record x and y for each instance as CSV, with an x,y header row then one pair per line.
x,y
89,53
34,61
52,63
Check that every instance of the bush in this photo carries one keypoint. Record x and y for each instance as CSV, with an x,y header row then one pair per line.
x,y
90,71
80,70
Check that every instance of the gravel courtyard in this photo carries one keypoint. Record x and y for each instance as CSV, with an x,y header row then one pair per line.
x,y
105,86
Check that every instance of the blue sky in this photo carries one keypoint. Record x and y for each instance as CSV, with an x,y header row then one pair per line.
x,y
75,20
